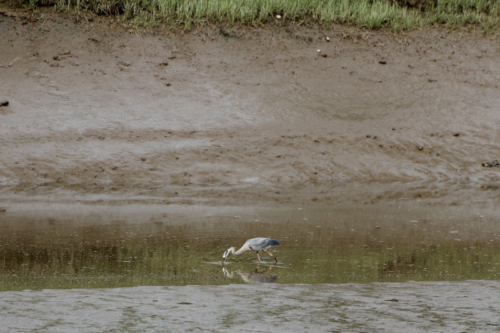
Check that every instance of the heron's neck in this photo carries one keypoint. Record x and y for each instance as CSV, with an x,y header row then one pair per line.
x,y
244,248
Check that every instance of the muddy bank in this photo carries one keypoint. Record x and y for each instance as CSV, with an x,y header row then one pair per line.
x,y
418,307
98,108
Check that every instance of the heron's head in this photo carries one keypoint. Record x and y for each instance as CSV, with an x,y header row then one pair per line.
x,y
224,256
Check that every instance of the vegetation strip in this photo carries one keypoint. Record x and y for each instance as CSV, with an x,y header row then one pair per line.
x,y
396,14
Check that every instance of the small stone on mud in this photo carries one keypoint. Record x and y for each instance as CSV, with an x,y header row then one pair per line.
x,y
392,300
3,209
164,64
327,39
495,163
382,62
456,134
4,102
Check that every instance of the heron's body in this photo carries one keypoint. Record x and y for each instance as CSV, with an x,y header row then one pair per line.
x,y
254,244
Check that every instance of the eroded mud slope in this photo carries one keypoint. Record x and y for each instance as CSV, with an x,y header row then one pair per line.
x,y
95,104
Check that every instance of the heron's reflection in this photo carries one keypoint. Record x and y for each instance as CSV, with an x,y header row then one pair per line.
x,y
254,276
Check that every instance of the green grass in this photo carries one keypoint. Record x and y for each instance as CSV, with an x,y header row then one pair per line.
x,y
372,14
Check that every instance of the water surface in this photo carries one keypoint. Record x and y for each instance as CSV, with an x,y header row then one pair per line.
x,y
80,246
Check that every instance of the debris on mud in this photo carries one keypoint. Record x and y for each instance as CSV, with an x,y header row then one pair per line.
x,y
4,102
60,55
495,163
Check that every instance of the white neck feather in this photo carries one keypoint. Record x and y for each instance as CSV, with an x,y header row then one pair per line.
x,y
244,248
231,250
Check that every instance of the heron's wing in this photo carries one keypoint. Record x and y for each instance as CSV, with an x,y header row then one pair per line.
x,y
261,243
257,242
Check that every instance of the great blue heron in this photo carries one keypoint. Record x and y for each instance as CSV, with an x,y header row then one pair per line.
x,y
254,244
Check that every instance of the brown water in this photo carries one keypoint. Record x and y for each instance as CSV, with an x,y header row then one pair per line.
x,y
80,246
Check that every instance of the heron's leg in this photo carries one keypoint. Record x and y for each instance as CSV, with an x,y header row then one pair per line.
x,y
265,251
258,257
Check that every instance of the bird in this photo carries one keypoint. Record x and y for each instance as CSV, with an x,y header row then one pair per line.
x,y
254,244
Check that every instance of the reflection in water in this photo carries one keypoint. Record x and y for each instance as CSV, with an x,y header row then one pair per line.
x,y
328,245
254,276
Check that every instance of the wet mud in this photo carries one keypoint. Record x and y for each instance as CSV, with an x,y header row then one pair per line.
x,y
374,307
240,115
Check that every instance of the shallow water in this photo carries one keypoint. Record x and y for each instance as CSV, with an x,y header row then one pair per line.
x,y
86,246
